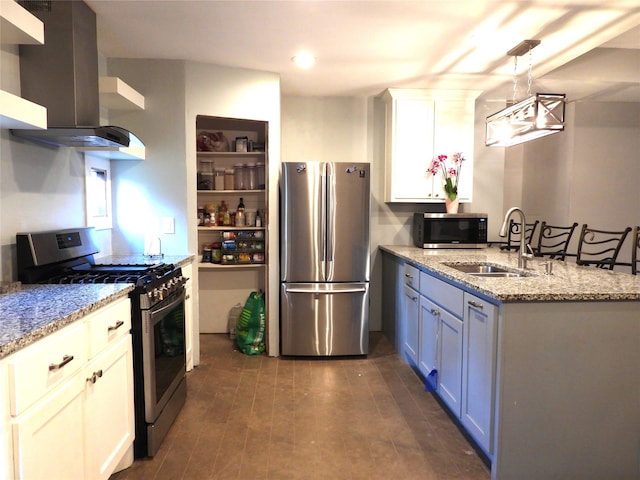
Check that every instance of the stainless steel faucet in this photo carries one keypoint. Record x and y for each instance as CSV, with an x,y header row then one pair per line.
x,y
525,251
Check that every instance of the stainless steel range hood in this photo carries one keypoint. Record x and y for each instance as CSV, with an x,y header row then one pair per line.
x,y
62,75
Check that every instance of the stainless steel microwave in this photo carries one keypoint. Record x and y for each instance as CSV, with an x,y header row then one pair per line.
x,y
450,230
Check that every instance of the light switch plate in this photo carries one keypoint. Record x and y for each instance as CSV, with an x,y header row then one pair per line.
x,y
168,225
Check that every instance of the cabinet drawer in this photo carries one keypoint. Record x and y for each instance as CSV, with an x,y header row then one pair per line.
x,y
108,324
442,293
44,365
411,276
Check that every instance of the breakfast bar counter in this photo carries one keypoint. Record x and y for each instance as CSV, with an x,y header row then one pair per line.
x,y
541,370
567,282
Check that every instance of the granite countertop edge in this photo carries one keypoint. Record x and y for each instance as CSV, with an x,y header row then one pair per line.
x,y
568,282
22,321
31,312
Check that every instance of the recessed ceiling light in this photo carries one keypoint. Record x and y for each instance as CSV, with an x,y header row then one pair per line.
x,y
304,59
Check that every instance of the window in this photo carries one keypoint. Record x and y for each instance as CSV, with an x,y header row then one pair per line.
x,y
98,192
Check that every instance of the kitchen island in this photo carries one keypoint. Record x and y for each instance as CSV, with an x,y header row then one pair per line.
x,y
542,371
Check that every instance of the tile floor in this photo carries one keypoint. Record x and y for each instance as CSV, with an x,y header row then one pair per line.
x,y
264,418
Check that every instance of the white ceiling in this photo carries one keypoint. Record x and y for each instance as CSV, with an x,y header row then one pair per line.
x,y
590,49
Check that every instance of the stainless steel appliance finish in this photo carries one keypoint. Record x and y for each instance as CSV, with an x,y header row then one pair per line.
x,y
450,230
62,75
157,314
325,259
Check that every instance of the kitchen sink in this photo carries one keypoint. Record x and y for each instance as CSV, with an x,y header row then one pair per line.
x,y
476,268
497,274
486,270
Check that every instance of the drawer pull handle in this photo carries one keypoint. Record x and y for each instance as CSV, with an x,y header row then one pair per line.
x,y
57,366
475,304
408,275
118,324
435,311
94,378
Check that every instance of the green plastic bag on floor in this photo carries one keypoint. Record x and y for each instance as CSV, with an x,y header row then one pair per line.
x,y
250,330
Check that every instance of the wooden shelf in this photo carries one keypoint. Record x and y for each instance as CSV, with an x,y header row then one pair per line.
x,y
16,112
219,266
18,26
232,192
229,228
230,154
115,94
116,153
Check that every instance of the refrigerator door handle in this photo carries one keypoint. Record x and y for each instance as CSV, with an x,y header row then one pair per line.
x,y
329,227
323,221
324,291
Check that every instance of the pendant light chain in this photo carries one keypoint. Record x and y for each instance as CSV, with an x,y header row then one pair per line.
x,y
515,79
530,75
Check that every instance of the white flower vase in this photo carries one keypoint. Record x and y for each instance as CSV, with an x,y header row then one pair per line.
x,y
451,205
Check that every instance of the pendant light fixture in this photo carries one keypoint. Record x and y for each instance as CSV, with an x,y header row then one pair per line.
x,y
534,117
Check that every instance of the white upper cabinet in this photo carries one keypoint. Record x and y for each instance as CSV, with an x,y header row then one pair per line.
x,y
420,124
18,26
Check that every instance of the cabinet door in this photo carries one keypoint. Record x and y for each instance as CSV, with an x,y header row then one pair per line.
x,y
429,336
454,126
109,409
450,371
190,329
409,145
478,373
48,438
411,323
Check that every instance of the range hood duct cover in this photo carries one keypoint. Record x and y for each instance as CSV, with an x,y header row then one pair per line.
x,y
62,75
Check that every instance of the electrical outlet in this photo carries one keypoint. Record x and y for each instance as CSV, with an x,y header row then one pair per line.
x,y
168,225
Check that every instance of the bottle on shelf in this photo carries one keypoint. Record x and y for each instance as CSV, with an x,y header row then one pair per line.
x,y
222,212
240,214
258,219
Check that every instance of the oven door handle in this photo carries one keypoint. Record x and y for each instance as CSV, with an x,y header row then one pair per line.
x,y
179,299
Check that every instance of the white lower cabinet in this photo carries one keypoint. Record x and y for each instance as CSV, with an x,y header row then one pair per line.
x,y
429,336
48,438
458,339
479,369
450,371
411,313
69,401
108,415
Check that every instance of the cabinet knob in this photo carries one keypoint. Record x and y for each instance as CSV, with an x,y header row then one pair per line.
x,y
95,376
435,311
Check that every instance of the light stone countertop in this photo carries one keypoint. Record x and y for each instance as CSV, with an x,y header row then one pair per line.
x,y
31,312
569,282
179,260
35,311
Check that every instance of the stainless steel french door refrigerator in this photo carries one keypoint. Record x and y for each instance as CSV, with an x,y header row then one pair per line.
x,y
325,259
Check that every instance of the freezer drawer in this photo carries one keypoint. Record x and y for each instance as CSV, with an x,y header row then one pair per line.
x,y
324,319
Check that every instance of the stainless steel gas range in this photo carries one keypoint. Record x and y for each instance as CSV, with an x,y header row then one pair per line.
x,y
158,319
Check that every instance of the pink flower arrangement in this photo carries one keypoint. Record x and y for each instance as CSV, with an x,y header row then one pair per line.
x,y
450,174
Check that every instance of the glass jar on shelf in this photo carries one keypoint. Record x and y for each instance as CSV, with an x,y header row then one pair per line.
x,y
218,179
260,175
239,176
250,178
205,174
229,179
